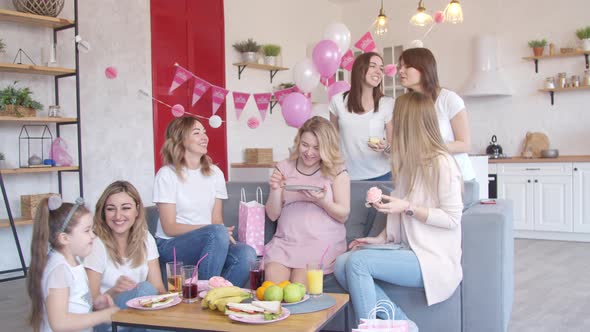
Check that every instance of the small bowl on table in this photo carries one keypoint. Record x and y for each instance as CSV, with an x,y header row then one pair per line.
x,y
550,153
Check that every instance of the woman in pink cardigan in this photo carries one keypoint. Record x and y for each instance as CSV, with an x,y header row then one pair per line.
x,y
423,216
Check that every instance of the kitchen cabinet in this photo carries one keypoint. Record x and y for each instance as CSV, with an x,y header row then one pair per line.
x,y
581,196
551,199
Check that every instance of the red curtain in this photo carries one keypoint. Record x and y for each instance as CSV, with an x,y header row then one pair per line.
x,y
190,33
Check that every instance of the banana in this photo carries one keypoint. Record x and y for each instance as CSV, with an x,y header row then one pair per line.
x,y
222,302
220,292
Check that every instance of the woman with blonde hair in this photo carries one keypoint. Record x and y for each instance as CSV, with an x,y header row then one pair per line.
x,y
189,191
124,259
423,217
309,220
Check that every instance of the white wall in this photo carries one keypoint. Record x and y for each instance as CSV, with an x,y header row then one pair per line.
x,y
514,23
117,138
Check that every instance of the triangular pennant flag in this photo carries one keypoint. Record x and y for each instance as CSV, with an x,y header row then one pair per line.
x,y
281,94
366,43
337,87
240,100
181,76
347,60
218,96
201,86
262,101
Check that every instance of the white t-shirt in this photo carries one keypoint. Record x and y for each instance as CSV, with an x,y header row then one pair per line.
x,y
59,274
355,129
100,261
447,105
194,195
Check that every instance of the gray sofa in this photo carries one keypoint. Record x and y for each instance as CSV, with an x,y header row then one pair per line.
x,y
483,301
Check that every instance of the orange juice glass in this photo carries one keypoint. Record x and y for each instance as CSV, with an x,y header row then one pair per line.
x,y
315,279
174,276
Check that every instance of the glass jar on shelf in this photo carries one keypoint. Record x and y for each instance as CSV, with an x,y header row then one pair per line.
x,y
586,80
575,81
561,80
54,111
549,83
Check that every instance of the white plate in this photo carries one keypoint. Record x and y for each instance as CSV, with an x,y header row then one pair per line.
x,y
384,246
134,303
259,320
298,187
305,298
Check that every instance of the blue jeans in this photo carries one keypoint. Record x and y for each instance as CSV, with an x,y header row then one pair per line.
x,y
356,271
384,177
143,288
230,261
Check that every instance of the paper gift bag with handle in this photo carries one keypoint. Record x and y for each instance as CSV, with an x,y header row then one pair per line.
x,y
251,221
372,324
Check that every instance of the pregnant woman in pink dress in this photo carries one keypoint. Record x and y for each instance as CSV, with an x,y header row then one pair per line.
x,y
309,221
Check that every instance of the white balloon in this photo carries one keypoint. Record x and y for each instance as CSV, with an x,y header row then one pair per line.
x,y
416,43
340,34
305,76
215,121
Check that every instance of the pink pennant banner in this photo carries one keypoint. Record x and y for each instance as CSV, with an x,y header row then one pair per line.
x,y
327,81
201,86
281,94
347,60
366,43
181,76
337,87
218,96
262,101
240,100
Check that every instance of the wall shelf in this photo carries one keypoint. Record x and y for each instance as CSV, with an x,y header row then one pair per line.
x,y
5,223
32,19
552,91
39,169
272,69
32,119
556,56
37,70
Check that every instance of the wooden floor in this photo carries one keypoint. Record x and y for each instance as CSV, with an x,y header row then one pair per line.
x,y
552,290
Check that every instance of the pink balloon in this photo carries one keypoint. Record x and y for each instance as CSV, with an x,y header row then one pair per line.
x,y
337,87
253,123
326,57
296,109
439,17
177,110
110,72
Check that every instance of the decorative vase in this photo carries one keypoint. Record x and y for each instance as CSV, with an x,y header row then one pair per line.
x,y
538,51
249,57
270,60
586,44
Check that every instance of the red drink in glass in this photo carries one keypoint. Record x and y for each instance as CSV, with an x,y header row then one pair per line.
x,y
189,291
256,279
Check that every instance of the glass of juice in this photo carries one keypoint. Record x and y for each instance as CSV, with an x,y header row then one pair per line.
x,y
189,284
174,276
256,274
315,279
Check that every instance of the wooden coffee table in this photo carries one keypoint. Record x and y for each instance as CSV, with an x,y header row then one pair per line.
x,y
191,317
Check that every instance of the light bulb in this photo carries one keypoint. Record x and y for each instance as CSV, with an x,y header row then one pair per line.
x,y
421,18
453,12
381,25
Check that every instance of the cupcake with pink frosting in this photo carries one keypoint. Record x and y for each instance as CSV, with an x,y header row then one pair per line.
x,y
216,282
373,196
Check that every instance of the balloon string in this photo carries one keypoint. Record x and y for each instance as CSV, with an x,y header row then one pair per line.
x,y
427,32
143,92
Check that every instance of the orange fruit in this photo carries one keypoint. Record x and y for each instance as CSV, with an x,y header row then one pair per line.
x,y
282,284
260,292
267,283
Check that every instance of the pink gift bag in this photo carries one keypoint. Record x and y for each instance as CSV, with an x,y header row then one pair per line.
x,y
251,221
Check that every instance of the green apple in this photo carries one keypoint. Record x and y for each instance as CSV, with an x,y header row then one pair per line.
x,y
301,288
292,293
273,293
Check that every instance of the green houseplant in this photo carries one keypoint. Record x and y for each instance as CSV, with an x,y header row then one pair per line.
x,y
18,102
248,48
271,51
538,46
584,35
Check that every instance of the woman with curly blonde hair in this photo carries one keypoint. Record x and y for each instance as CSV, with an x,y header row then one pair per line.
x,y
189,191
309,220
124,259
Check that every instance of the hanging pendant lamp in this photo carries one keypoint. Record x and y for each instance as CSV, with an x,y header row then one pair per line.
x,y
421,18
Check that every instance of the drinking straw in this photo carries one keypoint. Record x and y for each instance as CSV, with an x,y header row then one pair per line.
x,y
261,266
197,266
324,255
174,268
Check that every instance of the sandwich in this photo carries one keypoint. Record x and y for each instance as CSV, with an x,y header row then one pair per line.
x,y
267,310
158,301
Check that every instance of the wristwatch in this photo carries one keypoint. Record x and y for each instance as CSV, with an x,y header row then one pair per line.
x,y
409,211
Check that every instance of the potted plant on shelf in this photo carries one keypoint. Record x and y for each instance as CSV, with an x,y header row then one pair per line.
x,y
584,35
271,51
538,46
18,102
2,46
248,49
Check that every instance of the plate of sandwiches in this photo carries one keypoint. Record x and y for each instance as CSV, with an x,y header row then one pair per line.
x,y
257,312
154,302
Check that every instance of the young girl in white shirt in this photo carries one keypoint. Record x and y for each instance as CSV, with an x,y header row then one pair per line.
x,y
57,283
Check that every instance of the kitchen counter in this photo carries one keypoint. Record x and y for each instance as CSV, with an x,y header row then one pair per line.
x,y
560,159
